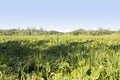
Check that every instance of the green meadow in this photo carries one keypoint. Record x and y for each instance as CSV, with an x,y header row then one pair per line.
x,y
60,57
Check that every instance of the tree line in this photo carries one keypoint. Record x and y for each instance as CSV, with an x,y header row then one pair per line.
x,y
41,31
28,31
100,31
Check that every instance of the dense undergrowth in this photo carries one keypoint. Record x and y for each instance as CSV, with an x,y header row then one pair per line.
x,y
59,58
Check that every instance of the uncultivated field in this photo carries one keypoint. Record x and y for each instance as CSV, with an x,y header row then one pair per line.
x,y
60,57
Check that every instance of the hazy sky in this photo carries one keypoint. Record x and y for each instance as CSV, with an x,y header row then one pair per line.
x,y
60,15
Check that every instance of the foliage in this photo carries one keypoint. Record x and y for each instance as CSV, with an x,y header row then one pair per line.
x,y
34,31
28,31
100,31
63,57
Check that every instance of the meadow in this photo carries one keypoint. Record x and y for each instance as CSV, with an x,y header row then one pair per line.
x,y
60,57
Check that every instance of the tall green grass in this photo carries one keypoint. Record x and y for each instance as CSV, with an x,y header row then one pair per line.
x,y
64,57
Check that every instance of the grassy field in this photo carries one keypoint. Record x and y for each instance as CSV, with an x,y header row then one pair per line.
x,y
60,57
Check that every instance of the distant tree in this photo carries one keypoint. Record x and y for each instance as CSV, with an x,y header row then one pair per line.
x,y
79,31
54,32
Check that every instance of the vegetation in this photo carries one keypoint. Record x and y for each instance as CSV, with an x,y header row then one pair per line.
x,y
100,31
41,31
63,57
28,31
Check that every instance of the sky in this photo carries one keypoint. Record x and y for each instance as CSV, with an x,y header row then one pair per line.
x,y
60,15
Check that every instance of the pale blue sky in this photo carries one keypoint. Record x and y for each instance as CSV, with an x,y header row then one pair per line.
x,y
60,15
